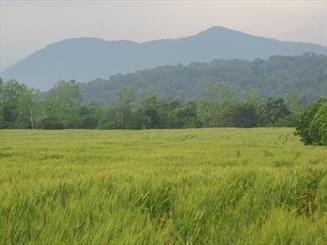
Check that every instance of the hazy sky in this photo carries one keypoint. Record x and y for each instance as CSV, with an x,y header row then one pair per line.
x,y
26,26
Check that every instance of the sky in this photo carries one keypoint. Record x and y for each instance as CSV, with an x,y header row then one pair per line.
x,y
27,26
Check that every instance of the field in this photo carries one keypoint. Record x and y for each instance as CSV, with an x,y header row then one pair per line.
x,y
192,186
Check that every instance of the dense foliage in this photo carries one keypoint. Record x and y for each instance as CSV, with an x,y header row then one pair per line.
x,y
312,123
273,77
219,106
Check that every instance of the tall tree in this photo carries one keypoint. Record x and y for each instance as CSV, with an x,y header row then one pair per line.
x,y
2,119
216,104
62,105
125,99
10,93
273,110
149,110
27,106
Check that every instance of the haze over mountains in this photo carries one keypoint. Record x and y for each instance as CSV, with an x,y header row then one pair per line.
x,y
84,59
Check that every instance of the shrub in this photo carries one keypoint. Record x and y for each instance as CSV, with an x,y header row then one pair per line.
x,y
312,123
319,126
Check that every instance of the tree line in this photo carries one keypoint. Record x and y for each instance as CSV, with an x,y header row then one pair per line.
x,y
220,106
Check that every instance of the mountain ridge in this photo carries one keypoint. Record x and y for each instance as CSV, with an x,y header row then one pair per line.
x,y
87,58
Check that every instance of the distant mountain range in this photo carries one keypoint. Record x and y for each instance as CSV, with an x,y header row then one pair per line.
x,y
84,59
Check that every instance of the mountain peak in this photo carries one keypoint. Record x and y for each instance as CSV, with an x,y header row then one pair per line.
x,y
216,31
217,28
86,58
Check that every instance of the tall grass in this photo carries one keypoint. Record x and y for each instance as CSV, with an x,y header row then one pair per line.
x,y
194,186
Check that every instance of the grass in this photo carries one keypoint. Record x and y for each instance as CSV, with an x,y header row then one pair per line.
x,y
193,186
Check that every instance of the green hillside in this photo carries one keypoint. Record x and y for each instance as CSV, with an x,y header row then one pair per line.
x,y
275,76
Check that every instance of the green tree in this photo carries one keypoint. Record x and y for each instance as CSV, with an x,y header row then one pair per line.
x,y
2,119
245,115
88,117
311,126
149,110
215,107
252,96
108,118
186,116
125,98
27,107
10,93
273,110
293,102
61,109
319,126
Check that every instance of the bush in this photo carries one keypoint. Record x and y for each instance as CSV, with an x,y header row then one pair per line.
x,y
319,126
245,115
51,123
312,124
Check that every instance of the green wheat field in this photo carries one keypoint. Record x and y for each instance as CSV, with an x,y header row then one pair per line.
x,y
188,186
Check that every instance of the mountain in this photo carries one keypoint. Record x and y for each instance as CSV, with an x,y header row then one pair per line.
x,y
84,59
276,76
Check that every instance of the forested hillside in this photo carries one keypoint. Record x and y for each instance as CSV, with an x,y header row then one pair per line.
x,y
275,76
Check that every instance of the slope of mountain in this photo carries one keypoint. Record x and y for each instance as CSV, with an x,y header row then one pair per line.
x,y
84,59
276,76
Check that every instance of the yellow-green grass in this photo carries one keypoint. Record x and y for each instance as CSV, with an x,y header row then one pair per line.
x,y
192,186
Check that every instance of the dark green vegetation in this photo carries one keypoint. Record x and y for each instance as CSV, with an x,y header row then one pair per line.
x,y
192,186
84,59
312,124
159,98
275,76
220,106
